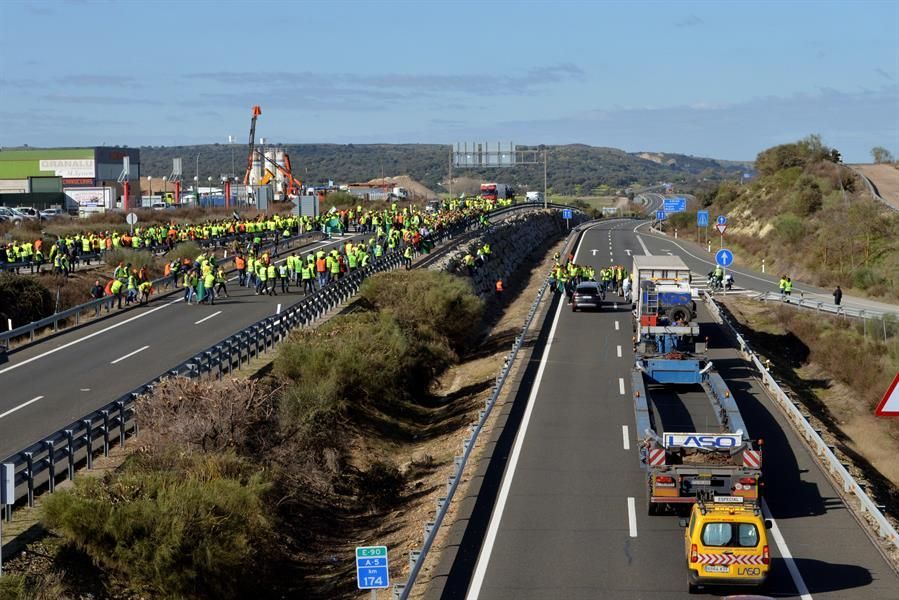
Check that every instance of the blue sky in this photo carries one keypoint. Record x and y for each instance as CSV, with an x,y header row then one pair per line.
x,y
719,79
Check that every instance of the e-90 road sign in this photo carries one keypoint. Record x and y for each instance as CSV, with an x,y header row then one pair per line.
x,y
372,571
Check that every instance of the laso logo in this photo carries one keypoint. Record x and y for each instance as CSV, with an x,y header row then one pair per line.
x,y
698,440
749,571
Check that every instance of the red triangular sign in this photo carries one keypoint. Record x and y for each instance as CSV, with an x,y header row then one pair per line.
x,y
889,406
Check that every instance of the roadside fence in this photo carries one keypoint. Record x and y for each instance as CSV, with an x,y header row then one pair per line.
x,y
856,497
874,323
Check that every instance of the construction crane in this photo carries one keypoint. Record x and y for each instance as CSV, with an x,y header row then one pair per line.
x,y
256,112
294,185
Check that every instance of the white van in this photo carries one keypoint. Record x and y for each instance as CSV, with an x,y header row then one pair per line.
x,y
535,197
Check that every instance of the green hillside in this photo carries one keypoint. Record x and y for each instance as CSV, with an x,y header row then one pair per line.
x,y
810,218
573,169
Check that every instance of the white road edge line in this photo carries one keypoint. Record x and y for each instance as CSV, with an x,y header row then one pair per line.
x,y
632,516
619,351
621,385
129,355
89,336
616,326
795,575
642,243
23,405
625,437
477,579
215,314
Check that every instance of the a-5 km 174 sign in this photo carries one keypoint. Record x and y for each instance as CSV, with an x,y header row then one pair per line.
x,y
372,571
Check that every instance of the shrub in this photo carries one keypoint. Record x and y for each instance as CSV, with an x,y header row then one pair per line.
x,y
23,299
358,359
789,228
136,258
808,196
431,303
206,417
189,250
179,527
864,278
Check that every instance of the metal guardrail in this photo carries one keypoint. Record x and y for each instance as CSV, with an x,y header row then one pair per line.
x,y
59,453
818,306
401,591
868,511
75,312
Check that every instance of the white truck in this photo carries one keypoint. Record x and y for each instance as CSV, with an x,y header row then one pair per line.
x,y
535,197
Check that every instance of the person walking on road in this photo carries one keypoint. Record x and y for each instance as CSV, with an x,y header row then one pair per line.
x,y
788,286
783,285
837,296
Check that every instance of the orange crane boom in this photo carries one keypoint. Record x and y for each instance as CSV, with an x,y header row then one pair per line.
x,y
257,110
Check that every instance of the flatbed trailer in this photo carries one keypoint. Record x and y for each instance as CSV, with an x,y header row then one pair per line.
x,y
680,465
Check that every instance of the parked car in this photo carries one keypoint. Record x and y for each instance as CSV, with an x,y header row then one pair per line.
x,y
53,213
11,215
29,212
587,295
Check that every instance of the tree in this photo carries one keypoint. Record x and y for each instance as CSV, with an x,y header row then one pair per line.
x,y
881,155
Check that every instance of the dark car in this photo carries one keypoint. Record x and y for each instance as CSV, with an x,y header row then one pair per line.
x,y
587,295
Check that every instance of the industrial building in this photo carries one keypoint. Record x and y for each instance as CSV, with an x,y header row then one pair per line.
x,y
82,178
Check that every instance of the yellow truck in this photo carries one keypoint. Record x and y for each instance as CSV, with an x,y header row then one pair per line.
x,y
726,543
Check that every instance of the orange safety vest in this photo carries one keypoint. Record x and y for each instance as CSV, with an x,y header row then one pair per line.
x,y
321,265
499,285
240,263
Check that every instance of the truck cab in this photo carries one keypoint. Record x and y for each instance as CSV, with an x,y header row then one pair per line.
x,y
726,543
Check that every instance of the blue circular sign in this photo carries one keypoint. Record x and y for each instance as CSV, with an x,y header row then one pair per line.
x,y
724,257
722,220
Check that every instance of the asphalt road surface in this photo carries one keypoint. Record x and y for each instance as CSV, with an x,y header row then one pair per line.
x,y
561,511
48,385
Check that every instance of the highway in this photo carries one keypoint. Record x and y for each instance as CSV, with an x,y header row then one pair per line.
x,y
561,509
701,262
50,384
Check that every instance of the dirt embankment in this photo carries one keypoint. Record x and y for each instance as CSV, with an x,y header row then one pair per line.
x,y
885,178
806,354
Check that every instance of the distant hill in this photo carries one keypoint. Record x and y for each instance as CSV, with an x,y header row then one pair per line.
x,y
573,169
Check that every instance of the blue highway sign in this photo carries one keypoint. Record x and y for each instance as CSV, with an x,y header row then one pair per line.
x,y
702,218
675,205
372,571
660,215
722,220
724,257
566,213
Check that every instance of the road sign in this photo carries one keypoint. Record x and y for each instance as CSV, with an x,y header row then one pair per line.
x,y
721,228
660,215
721,220
131,218
675,205
702,218
566,213
889,406
724,257
372,571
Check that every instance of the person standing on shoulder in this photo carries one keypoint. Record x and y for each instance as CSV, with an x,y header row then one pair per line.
x,y
783,284
837,296
98,292
788,286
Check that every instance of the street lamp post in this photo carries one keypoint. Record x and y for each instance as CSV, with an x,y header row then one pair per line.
x,y
197,176
165,187
150,185
209,189
196,190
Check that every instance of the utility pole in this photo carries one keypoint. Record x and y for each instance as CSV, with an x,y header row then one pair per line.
x,y
545,195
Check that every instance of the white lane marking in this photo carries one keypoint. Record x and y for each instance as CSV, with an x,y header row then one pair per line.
x,y
621,385
23,405
129,355
632,516
616,325
786,555
628,252
215,314
278,310
625,437
477,579
642,243
87,337
619,351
